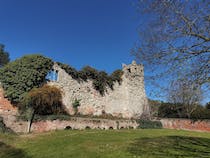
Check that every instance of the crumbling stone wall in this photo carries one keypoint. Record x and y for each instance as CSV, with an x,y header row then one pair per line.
x,y
127,100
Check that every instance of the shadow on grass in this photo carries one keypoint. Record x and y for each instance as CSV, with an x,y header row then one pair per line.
x,y
7,151
171,147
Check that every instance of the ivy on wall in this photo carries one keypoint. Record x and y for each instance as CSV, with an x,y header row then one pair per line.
x,y
100,78
20,76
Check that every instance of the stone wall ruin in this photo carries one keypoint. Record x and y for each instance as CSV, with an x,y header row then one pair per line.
x,y
127,100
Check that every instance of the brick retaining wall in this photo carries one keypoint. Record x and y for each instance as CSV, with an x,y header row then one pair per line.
x,y
73,123
82,123
85,123
186,124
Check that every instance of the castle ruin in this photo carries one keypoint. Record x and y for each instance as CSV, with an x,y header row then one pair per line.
x,y
126,100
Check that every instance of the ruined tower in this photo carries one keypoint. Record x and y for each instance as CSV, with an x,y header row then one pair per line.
x,y
133,79
127,100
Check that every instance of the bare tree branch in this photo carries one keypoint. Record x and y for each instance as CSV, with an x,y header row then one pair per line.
x,y
174,42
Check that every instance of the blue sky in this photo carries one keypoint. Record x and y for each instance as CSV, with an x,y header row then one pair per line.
x,y
99,33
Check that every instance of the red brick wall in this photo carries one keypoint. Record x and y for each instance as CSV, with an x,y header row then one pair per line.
x,y
5,105
186,124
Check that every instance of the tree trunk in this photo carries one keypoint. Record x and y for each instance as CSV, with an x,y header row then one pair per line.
x,y
30,121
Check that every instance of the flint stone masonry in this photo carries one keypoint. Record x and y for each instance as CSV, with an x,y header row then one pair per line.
x,y
127,100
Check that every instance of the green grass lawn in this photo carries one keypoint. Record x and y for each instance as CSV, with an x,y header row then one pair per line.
x,y
150,143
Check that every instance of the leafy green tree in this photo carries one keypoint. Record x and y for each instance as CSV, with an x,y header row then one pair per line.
x,y
4,56
20,76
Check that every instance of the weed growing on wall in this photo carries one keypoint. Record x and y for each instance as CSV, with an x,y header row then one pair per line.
x,y
76,104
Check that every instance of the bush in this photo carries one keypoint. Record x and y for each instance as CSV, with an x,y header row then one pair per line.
x,y
44,101
20,76
170,110
76,103
200,113
154,106
148,124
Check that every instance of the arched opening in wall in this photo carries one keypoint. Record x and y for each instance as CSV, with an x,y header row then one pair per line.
x,y
87,127
129,70
68,128
111,128
52,75
130,127
121,127
56,75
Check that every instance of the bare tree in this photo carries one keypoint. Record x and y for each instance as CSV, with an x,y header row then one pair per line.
x,y
174,40
184,93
